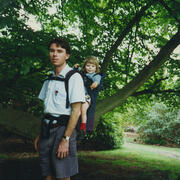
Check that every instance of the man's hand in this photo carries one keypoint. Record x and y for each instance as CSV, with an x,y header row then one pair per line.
x,y
63,149
93,85
36,143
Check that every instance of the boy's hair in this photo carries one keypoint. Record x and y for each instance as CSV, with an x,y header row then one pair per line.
x,y
61,42
91,60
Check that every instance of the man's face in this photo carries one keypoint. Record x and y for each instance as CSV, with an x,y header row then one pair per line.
x,y
58,55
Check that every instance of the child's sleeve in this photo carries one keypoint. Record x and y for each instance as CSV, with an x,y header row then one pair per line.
x,y
97,78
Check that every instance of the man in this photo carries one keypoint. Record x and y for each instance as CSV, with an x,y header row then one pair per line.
x,y
57,144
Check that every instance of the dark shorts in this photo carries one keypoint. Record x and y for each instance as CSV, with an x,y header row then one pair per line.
x,y
50,164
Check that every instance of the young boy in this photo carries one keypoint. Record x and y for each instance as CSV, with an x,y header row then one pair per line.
x,y
57,141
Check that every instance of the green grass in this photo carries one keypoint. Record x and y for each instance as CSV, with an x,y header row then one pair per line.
x,y
130,162
148,159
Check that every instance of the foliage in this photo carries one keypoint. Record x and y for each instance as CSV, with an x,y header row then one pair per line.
x,y
91,27
162,126
108,133
132,113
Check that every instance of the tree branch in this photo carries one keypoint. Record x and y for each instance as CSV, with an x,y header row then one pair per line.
x,y
173,14
150,91
129,26
111,102
130,55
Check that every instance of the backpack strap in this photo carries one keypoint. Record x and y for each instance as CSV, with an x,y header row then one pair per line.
x,y
87,81
51,77
66,82
68,75
103,75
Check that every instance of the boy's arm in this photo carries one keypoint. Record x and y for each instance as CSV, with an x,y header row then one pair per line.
x,y
63,148
76,111
41,96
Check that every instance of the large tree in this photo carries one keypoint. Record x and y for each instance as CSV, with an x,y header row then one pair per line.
x,y
133,41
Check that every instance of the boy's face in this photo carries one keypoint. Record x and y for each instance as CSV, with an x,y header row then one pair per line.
x,y
58,55
90,68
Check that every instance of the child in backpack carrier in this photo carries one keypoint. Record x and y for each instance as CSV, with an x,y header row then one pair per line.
x,y
92,80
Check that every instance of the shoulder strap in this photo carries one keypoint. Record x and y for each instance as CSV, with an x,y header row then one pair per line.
x,y
51,77
68,76
103,75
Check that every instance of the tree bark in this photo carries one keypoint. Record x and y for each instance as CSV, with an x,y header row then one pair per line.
x,y
117,99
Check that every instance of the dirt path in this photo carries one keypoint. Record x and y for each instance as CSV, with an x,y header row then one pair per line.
x,y
133,136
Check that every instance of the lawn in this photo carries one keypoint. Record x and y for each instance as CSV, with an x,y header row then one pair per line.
x,y
134,161
131,162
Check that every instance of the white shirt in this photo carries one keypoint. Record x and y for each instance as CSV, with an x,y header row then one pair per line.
x,y
53,93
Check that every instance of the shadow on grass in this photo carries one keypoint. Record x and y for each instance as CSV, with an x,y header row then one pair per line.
x,y
28,169
19,169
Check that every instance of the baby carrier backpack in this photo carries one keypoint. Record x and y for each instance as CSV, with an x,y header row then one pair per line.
x,y
93,93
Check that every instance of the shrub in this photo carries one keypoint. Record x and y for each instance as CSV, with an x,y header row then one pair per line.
x,y
162,126
108,133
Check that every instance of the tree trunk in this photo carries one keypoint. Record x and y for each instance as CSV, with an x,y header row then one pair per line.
x,y
117,99
18,122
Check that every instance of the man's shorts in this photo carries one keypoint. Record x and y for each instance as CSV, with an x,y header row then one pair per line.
x,y
50,164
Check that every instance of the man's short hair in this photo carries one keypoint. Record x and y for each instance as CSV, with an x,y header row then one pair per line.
x,y
61,42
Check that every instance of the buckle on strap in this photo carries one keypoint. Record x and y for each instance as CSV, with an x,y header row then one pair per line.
x,y
61,120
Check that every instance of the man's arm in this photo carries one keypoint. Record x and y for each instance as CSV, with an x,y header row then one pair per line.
x,y
76,111
63,148
36,143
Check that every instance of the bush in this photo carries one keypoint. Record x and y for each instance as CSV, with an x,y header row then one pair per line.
x,y
108,134
162,126
132,113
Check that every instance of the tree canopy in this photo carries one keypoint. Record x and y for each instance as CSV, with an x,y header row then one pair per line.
x,y
133,40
